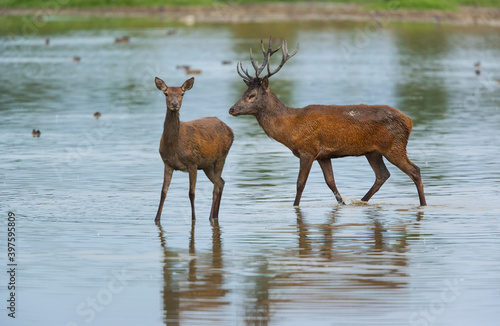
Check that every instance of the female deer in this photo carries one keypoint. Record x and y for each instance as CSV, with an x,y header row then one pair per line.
x,y
190,146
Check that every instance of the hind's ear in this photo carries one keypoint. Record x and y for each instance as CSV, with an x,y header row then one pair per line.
x,y
188,84
160,84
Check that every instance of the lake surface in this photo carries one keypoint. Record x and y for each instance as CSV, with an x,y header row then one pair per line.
x,y
86,191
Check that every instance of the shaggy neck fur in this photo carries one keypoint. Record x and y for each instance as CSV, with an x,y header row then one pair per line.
x,y
272,116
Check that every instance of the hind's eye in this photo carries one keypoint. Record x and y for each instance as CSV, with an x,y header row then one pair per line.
x,y
166,94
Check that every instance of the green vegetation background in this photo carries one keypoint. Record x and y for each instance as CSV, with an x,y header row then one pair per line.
x,y
407,4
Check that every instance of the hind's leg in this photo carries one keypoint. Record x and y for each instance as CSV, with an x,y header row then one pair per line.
x,y
167,177
381,173
404,164
214,174
192,186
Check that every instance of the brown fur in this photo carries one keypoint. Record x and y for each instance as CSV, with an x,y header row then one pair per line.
x,y
323,132
201,144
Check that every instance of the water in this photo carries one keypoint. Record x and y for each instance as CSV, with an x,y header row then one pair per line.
x,y
85,193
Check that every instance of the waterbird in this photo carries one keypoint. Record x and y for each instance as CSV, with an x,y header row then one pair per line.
x,y
36,133
97,115
190,71
124,39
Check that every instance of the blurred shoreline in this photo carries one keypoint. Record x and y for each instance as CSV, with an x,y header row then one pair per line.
x,y
279,12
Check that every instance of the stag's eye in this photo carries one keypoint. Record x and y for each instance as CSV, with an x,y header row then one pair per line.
x,y
250,97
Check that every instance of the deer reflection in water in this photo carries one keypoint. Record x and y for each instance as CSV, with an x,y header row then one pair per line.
x,y
366,255
203,286
335,263
344,261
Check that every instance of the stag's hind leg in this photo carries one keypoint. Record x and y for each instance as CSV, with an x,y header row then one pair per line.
x,y
214,174
381,173
326,167
402,161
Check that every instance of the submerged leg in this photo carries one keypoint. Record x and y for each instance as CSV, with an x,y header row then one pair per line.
x,y
167,177
214,175
413,171
381,173
306,162
326,167
192,186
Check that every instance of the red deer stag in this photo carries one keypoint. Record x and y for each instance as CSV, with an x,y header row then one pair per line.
x,y
190,146
323,132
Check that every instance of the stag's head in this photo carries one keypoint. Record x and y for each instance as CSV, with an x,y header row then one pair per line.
x,y
256,96
174,95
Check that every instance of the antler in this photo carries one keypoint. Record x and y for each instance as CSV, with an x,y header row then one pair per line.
x,y
247,76
284,58
267,55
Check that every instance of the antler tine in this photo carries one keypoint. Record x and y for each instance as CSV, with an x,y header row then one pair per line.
x,y
264,52
271,52
285,57
245,71
247,75
293,53
254,63
267,55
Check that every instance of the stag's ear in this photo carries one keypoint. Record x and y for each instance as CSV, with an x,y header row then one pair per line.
x,y
160,84
188,84
265,83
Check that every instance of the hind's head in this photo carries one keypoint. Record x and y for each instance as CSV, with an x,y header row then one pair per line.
x,y
174,95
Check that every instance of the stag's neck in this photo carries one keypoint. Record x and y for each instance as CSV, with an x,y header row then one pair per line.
x,y
275,119
171,127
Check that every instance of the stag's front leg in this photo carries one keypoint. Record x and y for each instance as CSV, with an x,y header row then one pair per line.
x,y
381,173
326,167
306,162
167,177
192,185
